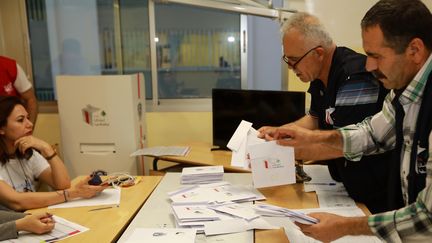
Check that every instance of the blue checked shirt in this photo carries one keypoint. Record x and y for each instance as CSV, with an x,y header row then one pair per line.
x,y
376,134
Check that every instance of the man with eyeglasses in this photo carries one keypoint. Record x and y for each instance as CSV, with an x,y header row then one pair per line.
x,y
343,93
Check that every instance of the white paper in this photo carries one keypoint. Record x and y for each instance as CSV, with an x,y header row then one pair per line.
x,y
193,212
202,170
239,210
216,192
238,158
162,150
328,199
63,229
109,196
239,135
272,164
272,210
164,235
321,180
225,226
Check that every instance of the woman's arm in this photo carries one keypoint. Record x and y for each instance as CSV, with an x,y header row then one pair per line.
x,y
56,175
20,201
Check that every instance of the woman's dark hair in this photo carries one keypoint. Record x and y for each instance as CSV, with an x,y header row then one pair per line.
x,y
400,21
7,104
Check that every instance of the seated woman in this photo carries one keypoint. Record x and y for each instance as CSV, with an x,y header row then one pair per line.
x,y
12,222
25,159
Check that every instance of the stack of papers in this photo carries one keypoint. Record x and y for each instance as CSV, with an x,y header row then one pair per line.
x,y
193,212
330,193
216,192
202,174
275,211
162,151
214,218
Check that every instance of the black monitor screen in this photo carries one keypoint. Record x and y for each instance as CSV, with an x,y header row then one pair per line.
x,y
262,108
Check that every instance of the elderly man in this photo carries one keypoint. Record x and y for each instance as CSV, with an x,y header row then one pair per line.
x,y
397,39
343,92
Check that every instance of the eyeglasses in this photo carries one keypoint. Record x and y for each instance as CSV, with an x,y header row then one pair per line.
x,y
292,64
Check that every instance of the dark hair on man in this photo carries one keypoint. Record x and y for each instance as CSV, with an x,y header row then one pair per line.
x,y
401,21
7,104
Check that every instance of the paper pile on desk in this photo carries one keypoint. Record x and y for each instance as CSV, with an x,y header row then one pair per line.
x,y
162,151
271,164
330,193
215,218
216,192
275,211
202,174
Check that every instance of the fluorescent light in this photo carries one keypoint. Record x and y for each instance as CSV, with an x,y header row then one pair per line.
x,y
156,39
231,39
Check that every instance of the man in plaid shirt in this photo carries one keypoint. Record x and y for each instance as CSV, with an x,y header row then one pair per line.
x,y
397,38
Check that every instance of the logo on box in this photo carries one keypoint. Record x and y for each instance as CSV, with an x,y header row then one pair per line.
x,y
95,116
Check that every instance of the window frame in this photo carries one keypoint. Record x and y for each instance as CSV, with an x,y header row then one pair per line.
x,y
166,105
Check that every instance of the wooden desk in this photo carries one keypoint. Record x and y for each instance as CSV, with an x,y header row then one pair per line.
x,y
201,154
108,224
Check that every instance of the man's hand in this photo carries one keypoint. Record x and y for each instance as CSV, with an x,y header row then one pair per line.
x,y
294,136
267,132
332,227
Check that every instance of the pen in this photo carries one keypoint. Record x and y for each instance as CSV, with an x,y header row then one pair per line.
x,y
96,209
320,183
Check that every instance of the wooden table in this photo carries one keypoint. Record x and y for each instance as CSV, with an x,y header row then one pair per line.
x,y
156,211
108,224
201,154
292,197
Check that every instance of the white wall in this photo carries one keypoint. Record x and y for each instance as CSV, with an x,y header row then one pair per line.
x,y
341,17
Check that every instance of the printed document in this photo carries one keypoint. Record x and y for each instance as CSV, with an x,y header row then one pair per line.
x,y
110,196
63,229
272,164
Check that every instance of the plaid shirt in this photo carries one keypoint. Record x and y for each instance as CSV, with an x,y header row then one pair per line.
x,y
377,134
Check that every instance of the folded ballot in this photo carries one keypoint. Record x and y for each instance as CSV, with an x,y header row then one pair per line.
x,y
202,174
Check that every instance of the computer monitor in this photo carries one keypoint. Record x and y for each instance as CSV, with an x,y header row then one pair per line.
x,y
261,107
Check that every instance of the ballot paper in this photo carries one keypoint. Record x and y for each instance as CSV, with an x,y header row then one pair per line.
x,y
216,192
192,212
329,199
272,164
162,150
321,180
238,210
267,209
239,136
244,136
165,235
202,174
